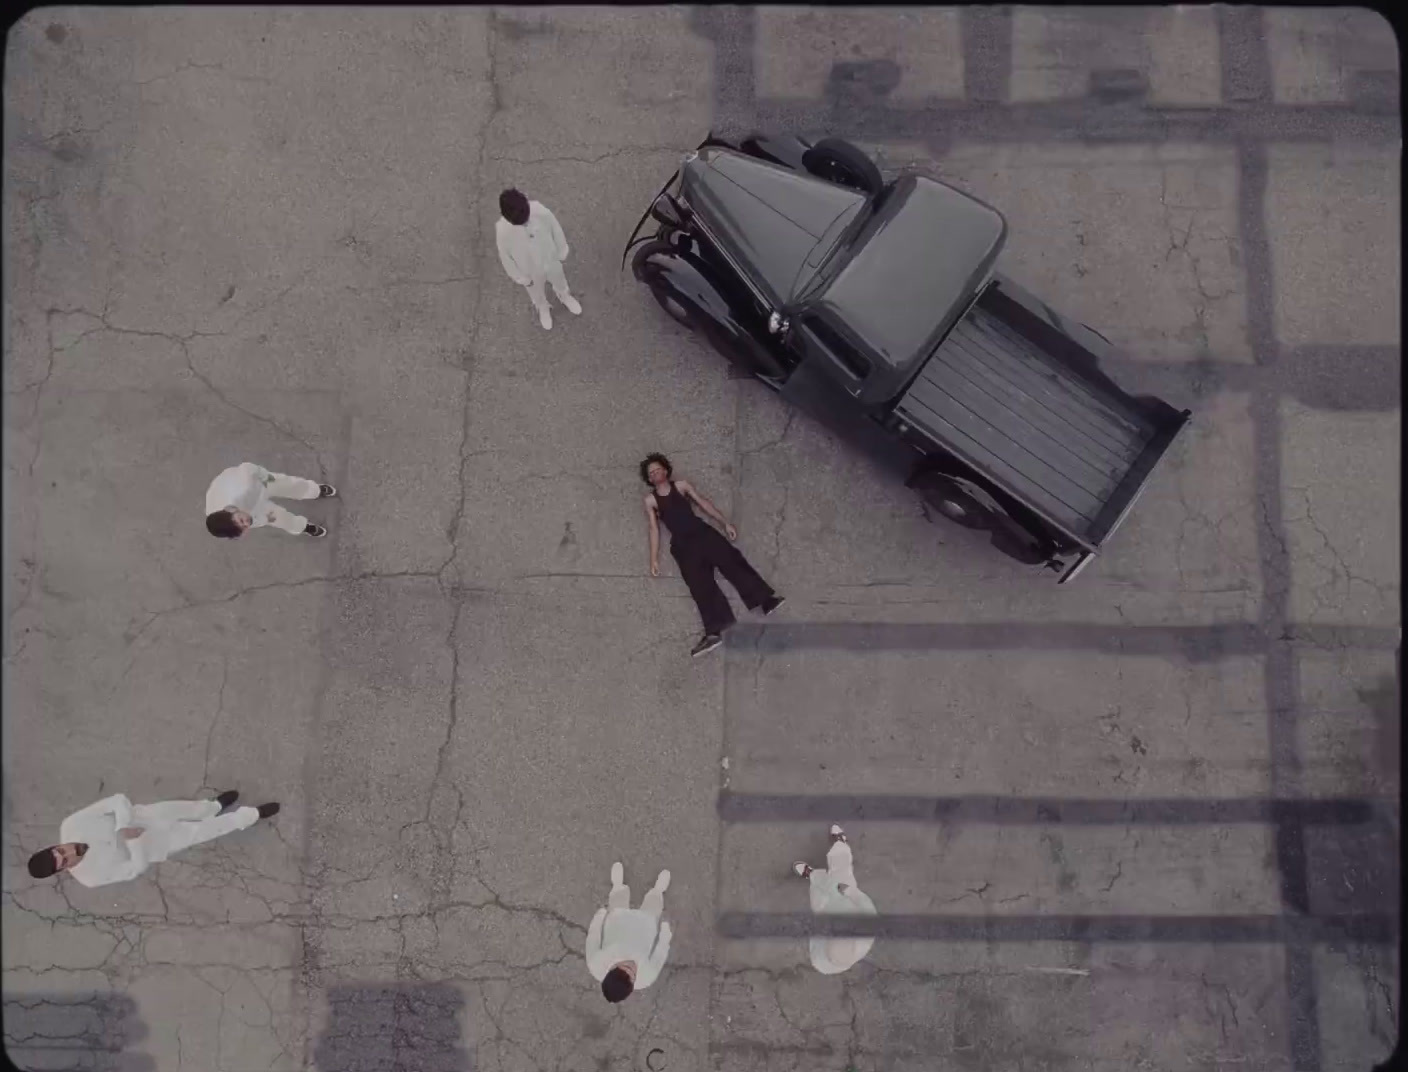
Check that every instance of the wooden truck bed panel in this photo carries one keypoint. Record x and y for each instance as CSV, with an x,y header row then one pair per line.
x,y
1030,423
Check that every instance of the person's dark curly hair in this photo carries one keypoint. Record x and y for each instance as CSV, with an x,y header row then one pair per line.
x,y
651,459
222,524
513,205
41,864
617,985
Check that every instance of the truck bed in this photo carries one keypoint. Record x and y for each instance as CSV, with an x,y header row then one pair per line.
x,y
1073,448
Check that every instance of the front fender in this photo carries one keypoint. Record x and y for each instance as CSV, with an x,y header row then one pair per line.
x,y
687,276
728,326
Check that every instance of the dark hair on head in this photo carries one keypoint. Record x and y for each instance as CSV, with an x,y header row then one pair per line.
x,y
617,985
41,864
651,459
222,523
514,207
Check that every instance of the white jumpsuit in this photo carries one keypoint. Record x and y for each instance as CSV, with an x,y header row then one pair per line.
x,y
167,828
833,955
532,253
250,488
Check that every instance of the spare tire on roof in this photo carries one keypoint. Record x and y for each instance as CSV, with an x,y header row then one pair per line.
x,y
838,161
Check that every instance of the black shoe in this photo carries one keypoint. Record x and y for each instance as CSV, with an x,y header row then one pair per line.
x,y
315,530
772,604
227,798
326,491
709,643
268,810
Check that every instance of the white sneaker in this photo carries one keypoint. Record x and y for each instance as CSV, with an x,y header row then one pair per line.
x,y
573,305
617,874
545,318
663,882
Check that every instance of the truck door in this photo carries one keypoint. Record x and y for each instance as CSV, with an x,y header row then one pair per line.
x,y
825,384
830,354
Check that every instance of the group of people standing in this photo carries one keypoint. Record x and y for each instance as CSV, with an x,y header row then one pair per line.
x,y
114,840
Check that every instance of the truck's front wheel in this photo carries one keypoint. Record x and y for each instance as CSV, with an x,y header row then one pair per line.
x,y
672,304
665,296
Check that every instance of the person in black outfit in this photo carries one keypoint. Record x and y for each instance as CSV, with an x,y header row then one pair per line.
x,y
699,550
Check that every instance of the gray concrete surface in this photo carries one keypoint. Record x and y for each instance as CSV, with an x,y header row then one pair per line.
x,y
1146,821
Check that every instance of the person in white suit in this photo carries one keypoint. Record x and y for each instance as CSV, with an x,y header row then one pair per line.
x,y
627,947
834,891
115,840
239,499
532,248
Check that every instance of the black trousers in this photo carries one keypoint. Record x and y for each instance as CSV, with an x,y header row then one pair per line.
x,y
702,552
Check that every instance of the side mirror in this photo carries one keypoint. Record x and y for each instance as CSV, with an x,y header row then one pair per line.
x,y
776,325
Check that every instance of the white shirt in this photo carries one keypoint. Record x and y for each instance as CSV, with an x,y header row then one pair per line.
x,y
618,934
830,956
241,486
110,856
527,251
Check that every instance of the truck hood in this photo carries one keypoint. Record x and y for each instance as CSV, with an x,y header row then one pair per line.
x,y
766,216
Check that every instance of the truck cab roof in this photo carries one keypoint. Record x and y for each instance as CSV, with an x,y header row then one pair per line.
x,y
910,271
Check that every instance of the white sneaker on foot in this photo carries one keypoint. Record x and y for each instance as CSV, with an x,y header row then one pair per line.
x,y
801,869
545,318
663,882
573,305
617,874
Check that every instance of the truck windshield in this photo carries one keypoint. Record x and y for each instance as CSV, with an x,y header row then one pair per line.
x,y
825,258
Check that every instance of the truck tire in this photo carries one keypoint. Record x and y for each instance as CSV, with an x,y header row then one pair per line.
x,y
677,308
841,162
955,504
743,352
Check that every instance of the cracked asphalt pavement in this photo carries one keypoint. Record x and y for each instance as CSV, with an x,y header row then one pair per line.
x,y
1146,820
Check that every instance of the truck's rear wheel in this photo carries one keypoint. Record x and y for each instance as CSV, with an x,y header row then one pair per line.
x,y
955,504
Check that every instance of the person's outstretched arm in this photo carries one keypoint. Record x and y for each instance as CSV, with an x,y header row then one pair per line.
x,y
652,529
708,507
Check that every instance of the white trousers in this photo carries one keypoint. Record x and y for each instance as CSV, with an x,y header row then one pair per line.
x,y
538,292
653,903
174,825
839,869
288,487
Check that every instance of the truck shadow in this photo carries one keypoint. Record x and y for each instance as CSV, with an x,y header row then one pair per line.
x,y
49,1030
393,1028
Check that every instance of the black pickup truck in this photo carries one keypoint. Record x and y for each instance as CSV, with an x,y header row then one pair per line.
x,y
875,307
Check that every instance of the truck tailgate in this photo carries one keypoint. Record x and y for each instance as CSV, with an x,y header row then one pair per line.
x,y
1072,449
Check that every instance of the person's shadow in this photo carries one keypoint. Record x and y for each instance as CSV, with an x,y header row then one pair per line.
x,y
412,1027
73,1031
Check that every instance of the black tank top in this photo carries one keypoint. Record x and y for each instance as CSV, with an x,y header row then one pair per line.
x,y
675,511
